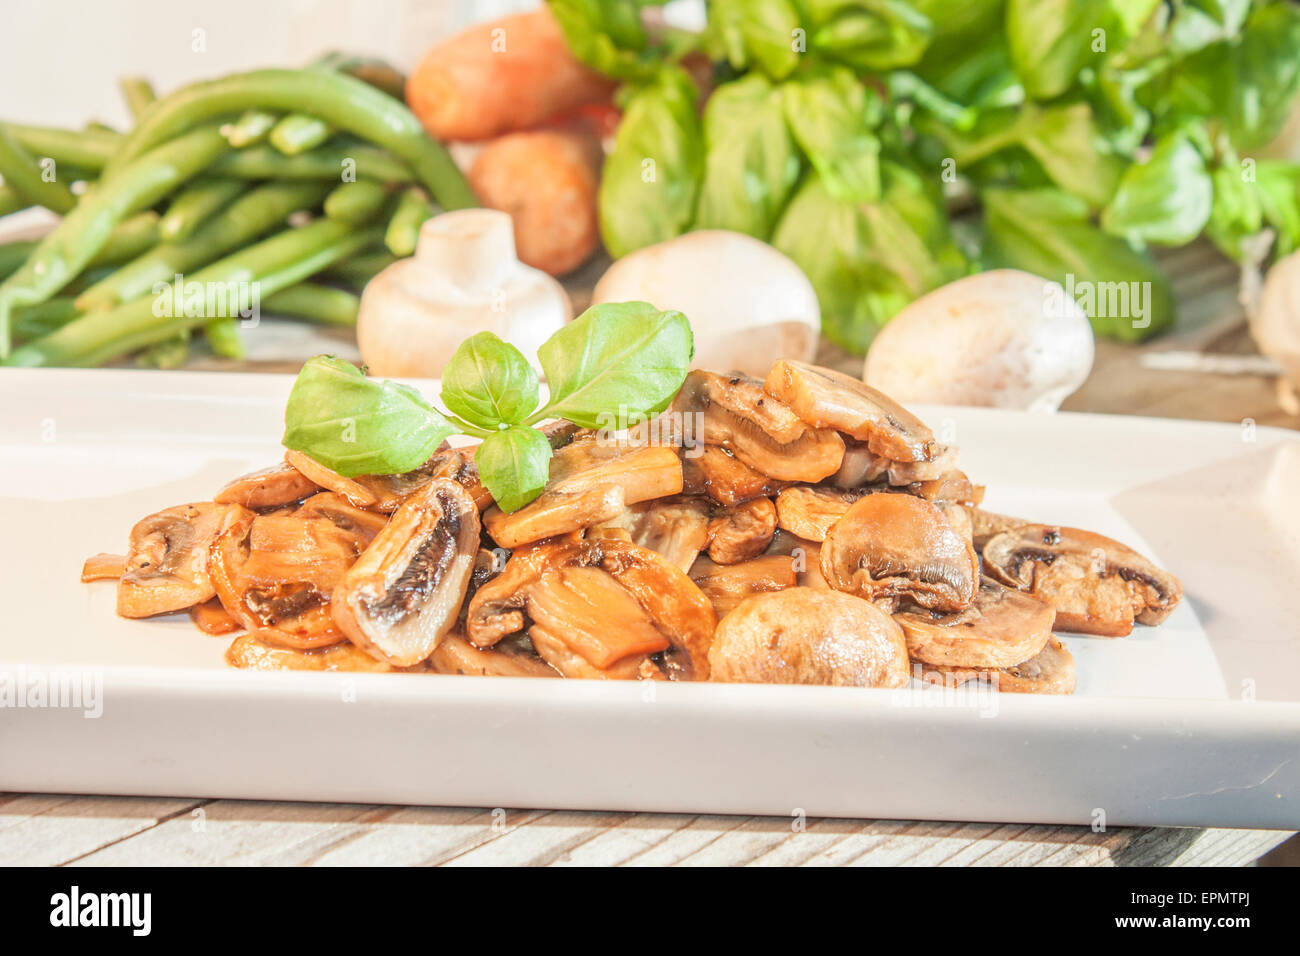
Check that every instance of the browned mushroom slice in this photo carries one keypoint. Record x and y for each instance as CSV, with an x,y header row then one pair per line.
x,y
802,636
862,466
338,511
272,487
103,567
582,625
1001,627
830,399
254,651
590,482
726,585
952,485
405,591
805,558
742,532
1097,585
455,655
986,524
677,527
211,617
896,547
167,560
716,472
1050,671
808,511
735,413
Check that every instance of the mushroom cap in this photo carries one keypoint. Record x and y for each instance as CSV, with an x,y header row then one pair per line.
x,y
272,487
1002,338
805,636
405,591
676,527
742,531
167,567
1097,585
749,304
1001,628
1050,671
892,547
726,585
734,412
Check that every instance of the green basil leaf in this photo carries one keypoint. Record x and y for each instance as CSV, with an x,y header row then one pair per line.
x,y
1052,40
1238,213
488,382
358,425
830,115
651,177
755,33
751,164
607,35
874,35
618,358
1048,232
1166,199
1278,182
513,465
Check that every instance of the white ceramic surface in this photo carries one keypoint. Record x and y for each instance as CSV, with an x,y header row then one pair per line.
x,y
1195,722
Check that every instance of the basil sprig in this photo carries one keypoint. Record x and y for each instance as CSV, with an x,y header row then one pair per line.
x,y
616,364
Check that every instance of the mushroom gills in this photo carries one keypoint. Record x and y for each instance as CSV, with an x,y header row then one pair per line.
x,y
166,566
726,585
1001,628
1050,671
510,658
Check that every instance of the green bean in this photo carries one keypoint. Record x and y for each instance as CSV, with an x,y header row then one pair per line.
x,y
25,174
261,270
250,129
132,238
338,99
319,303
84,231
249,217
328,162
34,321
89,149
224,338
10,201
355,202
358,270
167,354
138,95
13,255
192,207
404,227
298,132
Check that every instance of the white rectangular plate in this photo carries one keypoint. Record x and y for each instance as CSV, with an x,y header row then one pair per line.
x,y
1196,722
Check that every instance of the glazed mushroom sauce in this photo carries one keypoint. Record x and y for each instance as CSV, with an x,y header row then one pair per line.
x,y
806,529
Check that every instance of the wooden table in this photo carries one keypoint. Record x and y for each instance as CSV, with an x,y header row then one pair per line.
x,y
70,830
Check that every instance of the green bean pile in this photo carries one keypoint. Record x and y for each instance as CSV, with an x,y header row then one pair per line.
x,y
300,184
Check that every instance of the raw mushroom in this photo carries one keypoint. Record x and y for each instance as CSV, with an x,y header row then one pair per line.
x,y
1275,326
742,532
1097,585
803,636
1002,627
749,304
166,565
1050,671
1003,338
591,480
405,591
272,487
735,413
896,547
829,399
464,278
726,585
598,608
716,472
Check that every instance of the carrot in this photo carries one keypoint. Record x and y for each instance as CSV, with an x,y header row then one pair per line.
x,y
546,180
501,76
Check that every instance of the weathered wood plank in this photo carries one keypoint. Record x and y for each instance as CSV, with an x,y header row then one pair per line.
x,y
40,830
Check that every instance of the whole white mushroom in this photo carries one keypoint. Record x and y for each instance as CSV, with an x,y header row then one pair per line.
x,y
748,304
1003,338
1275,326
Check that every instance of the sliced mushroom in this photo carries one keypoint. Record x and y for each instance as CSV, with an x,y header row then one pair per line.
x,y
803,636
726,585
167,559
363,524
349,488
1097,585
805,558
895,547
829,399
211,617
103,567
986,524
716,472
742,532
455,655
809,511
952,485
564,594
1001,628
735,413
257,651
1050,671
677,527
590,481
405,591
272,487
862,466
